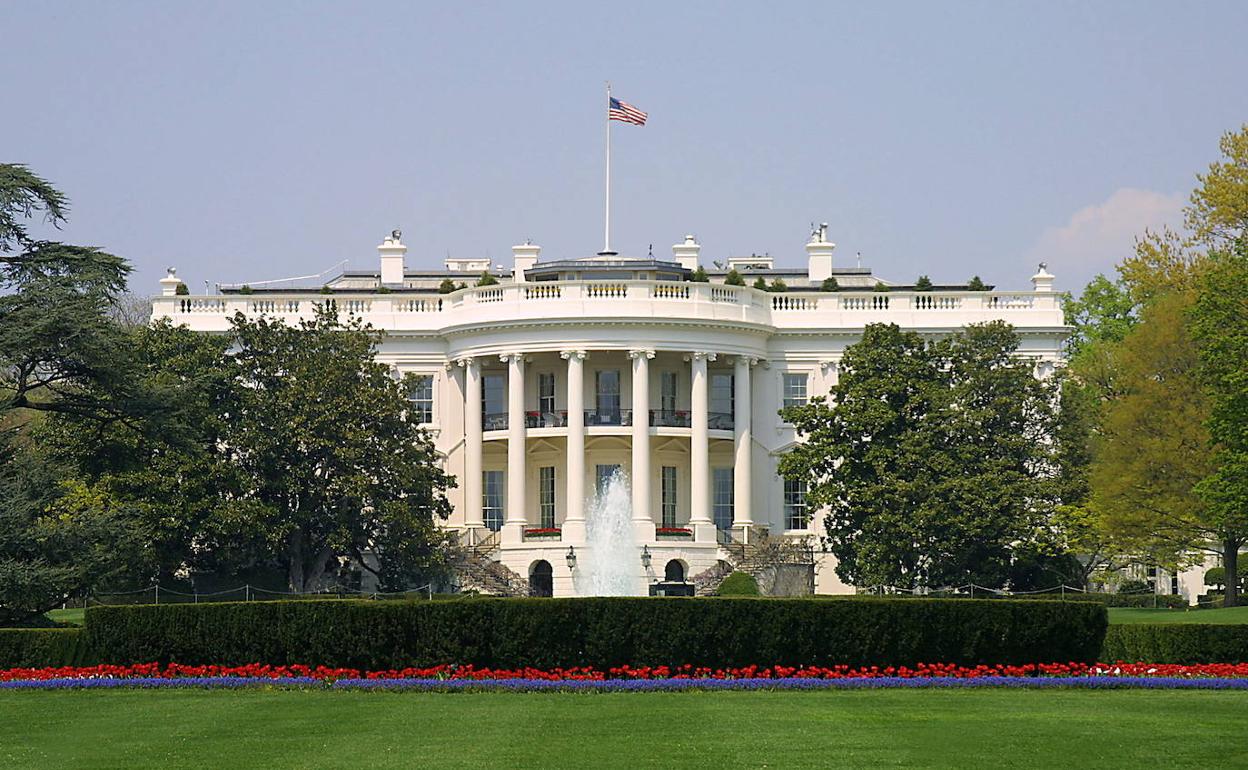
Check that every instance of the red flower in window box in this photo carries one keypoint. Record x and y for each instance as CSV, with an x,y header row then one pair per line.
x,y
542,531
673,531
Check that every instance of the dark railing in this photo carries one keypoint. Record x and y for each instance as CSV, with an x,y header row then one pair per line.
x,y
497,421
719,421
669,418
558,419
608,417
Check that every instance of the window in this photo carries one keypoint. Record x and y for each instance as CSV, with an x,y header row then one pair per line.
x,y
492,499
546,392
494,401
546,495
668,489
795,389
667,391
607,389
420,397
795,505
721,498
722,396
603,477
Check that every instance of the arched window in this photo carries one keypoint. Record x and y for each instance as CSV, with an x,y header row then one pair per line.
x,y
674,572
541,579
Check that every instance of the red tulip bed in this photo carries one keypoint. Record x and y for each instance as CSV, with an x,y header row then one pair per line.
x,y
625,678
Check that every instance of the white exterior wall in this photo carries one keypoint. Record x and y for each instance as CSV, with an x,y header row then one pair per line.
x,y
778,333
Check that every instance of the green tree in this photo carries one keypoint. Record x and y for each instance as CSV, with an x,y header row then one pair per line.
x,y
733,278
1218,211
829,284
487,280
447,286
932,458
760,283
1219,325
778,285
699,275
976,284
923,284
333,468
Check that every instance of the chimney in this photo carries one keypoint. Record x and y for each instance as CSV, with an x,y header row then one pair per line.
x,y
687,253
170,283
1043,279
819,255
524,256
392,251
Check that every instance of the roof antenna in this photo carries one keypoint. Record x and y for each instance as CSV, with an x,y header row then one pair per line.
x,y
860,259
652,251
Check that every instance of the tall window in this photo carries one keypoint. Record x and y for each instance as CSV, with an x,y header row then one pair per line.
x,y
494,401
721,497
668,487
795,389
795,505
546,495
492,499
420,397
546,392
603,476
607,389
667,391
722,396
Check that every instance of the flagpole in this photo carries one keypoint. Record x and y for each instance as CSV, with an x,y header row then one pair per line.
x,y
606,238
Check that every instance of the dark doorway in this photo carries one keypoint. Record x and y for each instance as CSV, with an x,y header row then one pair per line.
x,y
674,572
541,579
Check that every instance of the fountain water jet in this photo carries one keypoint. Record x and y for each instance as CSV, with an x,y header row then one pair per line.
x,y
612,570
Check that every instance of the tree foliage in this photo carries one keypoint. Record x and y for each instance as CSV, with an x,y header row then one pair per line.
x,y
931,458
1218,212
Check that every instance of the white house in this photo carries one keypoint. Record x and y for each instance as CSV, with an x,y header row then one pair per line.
x,y
538,388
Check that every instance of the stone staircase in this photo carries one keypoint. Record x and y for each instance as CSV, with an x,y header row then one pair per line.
x,y
752,552
478,570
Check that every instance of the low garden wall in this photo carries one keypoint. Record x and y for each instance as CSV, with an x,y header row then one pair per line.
x,y
600,632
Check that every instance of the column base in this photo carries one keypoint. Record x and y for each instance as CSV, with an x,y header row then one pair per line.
x,y
573,532
643,531
704,532
512,533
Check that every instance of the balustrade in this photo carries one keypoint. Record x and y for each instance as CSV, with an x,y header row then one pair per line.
x,y
936,302
671,291
597,290
788,302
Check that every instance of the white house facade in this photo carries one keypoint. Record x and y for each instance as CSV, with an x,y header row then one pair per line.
x,y
540,387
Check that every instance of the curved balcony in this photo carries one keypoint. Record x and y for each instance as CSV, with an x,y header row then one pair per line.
x,y
659,418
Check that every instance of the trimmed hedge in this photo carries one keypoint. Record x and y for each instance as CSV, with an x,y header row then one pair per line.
x,y
40,647
1176,643
600,632
1167,601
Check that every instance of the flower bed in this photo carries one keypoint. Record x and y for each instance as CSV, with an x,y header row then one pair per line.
x,y
298,674
674,532
542,532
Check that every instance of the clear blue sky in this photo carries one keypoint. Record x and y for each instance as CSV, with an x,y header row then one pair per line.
x,y
244,141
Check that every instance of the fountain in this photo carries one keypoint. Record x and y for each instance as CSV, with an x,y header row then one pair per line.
x,y
612,570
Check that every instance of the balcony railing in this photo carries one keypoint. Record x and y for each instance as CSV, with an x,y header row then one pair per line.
x,y
608,417
719,421
659,418
540,419
669,418
496,421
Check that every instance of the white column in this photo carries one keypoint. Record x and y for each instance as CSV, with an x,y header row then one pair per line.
x,y
472,443
700,452
643,521
742,440
574,521
516,519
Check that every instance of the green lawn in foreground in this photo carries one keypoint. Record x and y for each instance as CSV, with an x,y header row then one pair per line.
x,y
981,728
72,615
1228,616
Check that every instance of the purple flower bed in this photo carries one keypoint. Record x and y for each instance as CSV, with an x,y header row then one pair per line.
x,y
153,682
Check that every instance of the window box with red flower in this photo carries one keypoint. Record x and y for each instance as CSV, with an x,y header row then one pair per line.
x,y
673,533
542,533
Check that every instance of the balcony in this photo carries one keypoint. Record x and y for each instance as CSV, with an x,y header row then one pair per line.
x,y
541,419
495,421
670,418
659,418
608,417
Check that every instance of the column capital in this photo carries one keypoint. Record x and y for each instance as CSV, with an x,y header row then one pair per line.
x,y
700,355
749,360
508,358
466,361
568,355
829,366
640,353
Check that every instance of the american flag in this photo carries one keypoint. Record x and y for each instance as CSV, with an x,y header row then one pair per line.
x,y
626,112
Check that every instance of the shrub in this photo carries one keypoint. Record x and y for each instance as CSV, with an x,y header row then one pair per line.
x,y
733,278
699,275
1173,601
245,289
829,284
976,284
1135,587
487,280
326,290
1176,643
447,286
181,290
42,647
739,584
778,285
880,286
760,283
600,632
923,284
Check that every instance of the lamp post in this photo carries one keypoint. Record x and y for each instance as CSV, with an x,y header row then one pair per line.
x,y
571,557
645,556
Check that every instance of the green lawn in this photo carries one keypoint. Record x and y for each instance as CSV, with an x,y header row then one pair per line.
x,y
980,728
71,615
1230,615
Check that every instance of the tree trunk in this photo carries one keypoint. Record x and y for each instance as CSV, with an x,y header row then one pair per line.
x,y
1230,560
